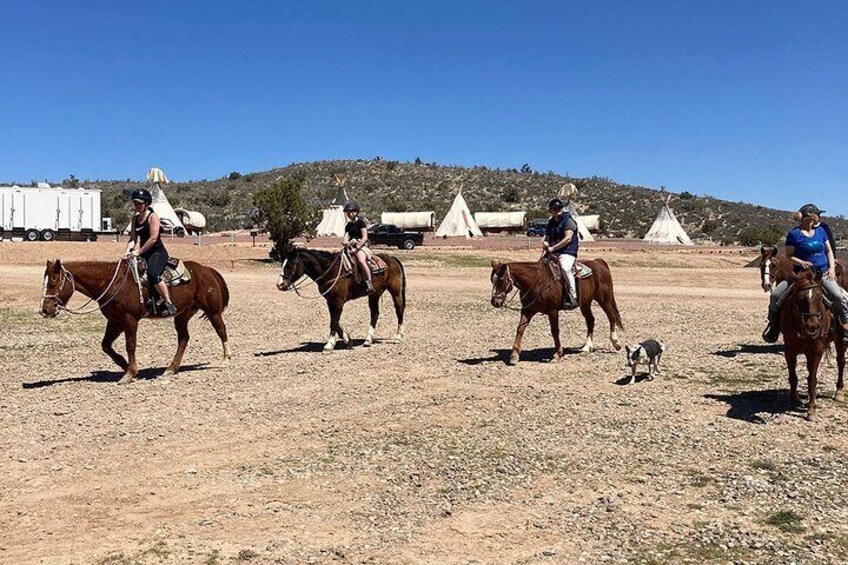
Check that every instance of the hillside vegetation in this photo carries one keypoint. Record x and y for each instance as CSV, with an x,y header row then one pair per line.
x,y
379,185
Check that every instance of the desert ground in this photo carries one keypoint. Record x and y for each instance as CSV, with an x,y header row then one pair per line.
x,y
432,450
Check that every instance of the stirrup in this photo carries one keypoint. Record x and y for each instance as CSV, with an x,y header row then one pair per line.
x,y
771,333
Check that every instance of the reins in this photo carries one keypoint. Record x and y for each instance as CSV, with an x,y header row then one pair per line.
x,y
298,287
509,300
69,276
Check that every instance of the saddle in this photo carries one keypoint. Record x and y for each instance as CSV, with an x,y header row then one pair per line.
x,y
580,270
350,266
175,273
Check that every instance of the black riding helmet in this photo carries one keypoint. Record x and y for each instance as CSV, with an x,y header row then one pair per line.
x,y
142,195
351,207
555,204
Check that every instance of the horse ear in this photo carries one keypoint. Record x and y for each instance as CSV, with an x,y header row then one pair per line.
x,y
57,265
773,252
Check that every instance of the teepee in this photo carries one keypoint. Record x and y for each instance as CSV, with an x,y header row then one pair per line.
x,y
333,220
567,191
666,230
458,222
167,216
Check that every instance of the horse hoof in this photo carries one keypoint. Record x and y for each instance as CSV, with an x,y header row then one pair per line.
x,y
616,345
512,361
169,373
328,348
839,397
126,379
585,349
367,343
810,416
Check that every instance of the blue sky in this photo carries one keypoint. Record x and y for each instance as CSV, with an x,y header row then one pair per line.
x,y
738,100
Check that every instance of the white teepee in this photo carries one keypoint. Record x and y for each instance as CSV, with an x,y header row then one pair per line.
x,y
566,191
333,221
458,222
666,230
167,216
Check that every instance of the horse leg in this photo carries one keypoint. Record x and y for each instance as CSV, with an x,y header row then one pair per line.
x,y
374,307
336,331
217,321
813,361
130,333
609,308
791,365
840,368
553,317
113,330
399,299
586,310
181,325
519,336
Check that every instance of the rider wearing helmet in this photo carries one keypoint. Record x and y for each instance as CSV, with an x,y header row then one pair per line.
x,y
561,242
356,238
809,247
147,230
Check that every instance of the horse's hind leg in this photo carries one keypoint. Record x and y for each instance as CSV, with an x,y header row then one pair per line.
x,y
374,306
181,325
131,334
217,321
113,330
840,368
586,310
399,299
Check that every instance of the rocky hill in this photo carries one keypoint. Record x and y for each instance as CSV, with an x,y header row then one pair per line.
x,y
379,185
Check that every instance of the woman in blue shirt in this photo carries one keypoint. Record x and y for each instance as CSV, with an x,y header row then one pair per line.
x,y
808,247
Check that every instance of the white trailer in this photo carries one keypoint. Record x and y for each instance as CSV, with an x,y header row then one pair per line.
x,y
49,213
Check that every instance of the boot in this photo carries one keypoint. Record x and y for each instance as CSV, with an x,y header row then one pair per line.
x,y
772,331
569,302
369,287
165,309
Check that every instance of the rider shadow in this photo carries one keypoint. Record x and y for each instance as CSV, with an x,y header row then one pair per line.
x,y
749,405
148,374
540,355
757,349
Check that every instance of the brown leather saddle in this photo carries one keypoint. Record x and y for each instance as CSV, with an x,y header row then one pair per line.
x,y
580,270
175,274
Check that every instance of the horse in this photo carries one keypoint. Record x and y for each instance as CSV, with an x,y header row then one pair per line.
x,y
540,292
807,326
117,296
775,268
338,287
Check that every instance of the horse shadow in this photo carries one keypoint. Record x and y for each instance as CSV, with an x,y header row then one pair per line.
x,y
149,374
748,405
539,355
317,347
756,349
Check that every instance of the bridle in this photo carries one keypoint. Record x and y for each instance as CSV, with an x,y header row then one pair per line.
x,y
68,278
510,285
817,315
293,285
521,296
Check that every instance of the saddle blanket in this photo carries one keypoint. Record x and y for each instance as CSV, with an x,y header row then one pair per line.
x,y
175,273
375,263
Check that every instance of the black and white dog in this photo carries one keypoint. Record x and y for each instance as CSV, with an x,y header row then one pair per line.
x,y
646,353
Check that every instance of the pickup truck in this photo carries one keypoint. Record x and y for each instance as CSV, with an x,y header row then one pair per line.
x,y
388,234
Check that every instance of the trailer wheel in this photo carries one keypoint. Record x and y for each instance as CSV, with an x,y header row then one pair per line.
x,y
31,235
409,245
180,232
48,235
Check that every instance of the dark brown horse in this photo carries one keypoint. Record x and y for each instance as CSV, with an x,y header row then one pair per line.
x,y
775,267
338,287
112,287
541,293
807,327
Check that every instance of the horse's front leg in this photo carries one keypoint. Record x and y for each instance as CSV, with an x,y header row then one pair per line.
x,y
130,333
336,330
113,330
553,318
813,362
791,366
374,306
523,321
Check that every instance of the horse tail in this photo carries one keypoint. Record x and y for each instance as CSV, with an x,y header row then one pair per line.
x,y
402,280
225,292
608,275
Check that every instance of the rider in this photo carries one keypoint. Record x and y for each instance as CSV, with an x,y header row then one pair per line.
x,y
808,247
146,228
356,239
562,242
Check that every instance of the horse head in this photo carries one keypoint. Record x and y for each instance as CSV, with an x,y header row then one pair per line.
x,y
808,305
292,269
502,283
768,267
57,290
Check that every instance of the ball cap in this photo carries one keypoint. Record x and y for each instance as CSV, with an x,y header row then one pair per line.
x,y
808,209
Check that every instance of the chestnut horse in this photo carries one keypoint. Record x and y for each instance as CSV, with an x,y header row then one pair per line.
x,y
541,293
807,326
112,287
337,288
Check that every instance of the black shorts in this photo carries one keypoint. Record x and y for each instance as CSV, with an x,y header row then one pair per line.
x,y
156,262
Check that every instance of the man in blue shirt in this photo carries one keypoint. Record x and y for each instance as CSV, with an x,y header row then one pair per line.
x,y
561,242
808,247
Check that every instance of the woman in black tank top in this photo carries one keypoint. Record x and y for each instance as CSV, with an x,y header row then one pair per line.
x,y
147,229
